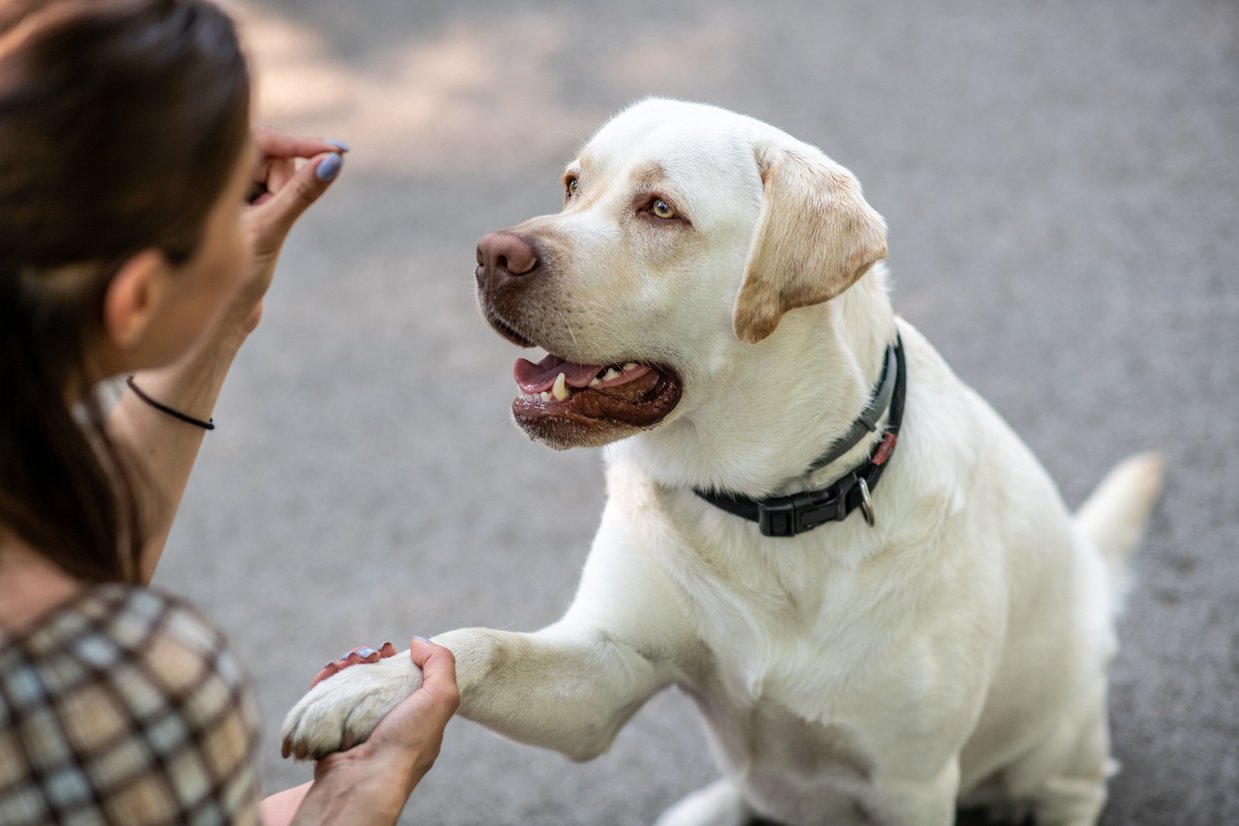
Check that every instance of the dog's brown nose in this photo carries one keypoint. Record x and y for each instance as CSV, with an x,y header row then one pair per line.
x,y
502,255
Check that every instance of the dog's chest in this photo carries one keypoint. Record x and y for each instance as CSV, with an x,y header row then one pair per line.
x,y
795,664
796,770
764,732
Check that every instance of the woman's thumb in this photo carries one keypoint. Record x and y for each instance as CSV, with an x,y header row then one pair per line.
x,y
303,189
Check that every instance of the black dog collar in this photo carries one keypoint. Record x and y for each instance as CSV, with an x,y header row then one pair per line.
x,y
804,511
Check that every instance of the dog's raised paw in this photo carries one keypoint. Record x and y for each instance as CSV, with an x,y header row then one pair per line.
x,y
344,709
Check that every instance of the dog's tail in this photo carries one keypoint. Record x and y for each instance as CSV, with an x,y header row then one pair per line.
x,y
1115,515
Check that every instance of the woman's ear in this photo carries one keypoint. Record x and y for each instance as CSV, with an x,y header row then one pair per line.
x,y
815,236
132,299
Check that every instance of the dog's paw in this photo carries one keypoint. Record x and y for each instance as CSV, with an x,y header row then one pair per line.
x,y
719,804
343,710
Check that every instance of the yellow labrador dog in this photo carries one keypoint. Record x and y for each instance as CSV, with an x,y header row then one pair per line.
x,y
870,588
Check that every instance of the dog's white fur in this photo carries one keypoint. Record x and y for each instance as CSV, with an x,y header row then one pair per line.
x,y
956,651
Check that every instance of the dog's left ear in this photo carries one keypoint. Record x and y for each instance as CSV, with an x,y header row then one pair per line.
x,y
815,236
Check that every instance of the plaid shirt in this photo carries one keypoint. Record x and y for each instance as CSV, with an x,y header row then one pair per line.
x,y
124,706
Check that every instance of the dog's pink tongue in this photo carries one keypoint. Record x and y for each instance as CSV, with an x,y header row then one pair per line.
x,y
534,378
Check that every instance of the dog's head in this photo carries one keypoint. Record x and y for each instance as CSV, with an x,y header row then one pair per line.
x,y
686,232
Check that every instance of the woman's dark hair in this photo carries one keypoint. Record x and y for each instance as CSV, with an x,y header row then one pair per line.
x,y
120,123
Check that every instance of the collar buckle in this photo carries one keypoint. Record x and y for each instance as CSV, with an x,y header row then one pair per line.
x,y
802,512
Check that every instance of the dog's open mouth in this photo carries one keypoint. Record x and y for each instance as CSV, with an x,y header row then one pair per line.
x,y
567,404
624,394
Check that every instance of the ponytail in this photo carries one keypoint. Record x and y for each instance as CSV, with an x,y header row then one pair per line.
x,y
64,487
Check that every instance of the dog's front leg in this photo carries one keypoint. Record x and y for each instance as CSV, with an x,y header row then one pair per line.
x,y
561,688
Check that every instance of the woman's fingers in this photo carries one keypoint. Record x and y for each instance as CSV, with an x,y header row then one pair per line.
x,y
279,172
355,656
282,190
272,217
276,143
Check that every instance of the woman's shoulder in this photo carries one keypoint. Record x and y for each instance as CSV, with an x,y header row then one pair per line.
x,y
133,698
111,626
147,650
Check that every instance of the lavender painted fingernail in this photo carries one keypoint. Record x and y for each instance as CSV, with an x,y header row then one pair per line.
x,y
366,652
423,639
341,145
329,167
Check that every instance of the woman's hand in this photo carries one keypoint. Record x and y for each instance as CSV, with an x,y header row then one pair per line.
x,y
369,783
412,732
281,193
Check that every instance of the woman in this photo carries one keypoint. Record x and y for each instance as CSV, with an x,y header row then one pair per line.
x,y
127,248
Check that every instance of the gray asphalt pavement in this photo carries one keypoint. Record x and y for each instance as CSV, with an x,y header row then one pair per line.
x,y
1061,182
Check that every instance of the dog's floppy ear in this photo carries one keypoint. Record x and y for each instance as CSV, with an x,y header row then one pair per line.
x,y
815,236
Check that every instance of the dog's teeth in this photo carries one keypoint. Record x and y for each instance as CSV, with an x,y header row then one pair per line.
x,y
630,366
610,374
545,396
560,388
595,382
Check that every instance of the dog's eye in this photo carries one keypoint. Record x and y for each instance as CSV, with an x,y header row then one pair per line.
x,y
571,187
661,209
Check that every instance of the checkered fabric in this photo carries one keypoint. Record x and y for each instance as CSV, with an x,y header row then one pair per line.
x,y
125,706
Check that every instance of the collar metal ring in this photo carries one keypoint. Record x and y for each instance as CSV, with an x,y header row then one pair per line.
x,y
866,504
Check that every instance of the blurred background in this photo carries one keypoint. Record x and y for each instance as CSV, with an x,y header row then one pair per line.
x,y
1061,182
